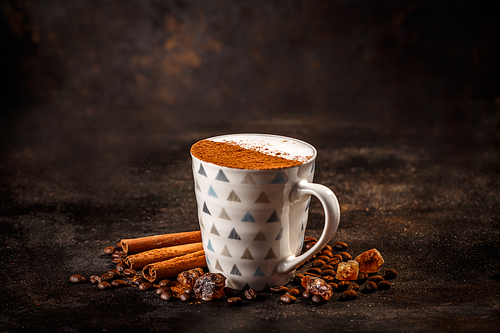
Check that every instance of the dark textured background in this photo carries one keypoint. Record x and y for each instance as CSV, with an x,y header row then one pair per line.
x,y
101,100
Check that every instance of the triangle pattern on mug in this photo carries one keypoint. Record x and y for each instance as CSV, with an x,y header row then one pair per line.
x,y
248,218
201,223
214,230
223,215
248,179
233,197
208,261
262,198
211,192
197,185
273,218
247,255
260,236
279,234
201,170
235,270
278,179
234,235
222,176
258,272
205,208
270,254
229,284
218,266
209,246
225,252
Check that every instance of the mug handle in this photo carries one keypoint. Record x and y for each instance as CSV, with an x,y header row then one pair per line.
x,y
332,219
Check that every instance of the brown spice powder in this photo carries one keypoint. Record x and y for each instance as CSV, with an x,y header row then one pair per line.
x,y
233,156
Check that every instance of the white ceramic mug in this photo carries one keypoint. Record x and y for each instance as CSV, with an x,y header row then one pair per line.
x,y
253,221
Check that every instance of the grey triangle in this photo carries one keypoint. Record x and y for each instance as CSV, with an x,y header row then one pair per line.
x,y
234,235
308,204
247,255
201,223
225,252
270,254
205,208
266,286
211,192
247,286
201,170
221,176
279,179
302,227
313,166
197,185
279,234
214,230
248,180
273,218
262,198
218,266
248,218
275,270
258,272
235,270
223,215
233,197
260,236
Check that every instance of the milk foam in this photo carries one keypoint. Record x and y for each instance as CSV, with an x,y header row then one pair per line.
x,y
271,145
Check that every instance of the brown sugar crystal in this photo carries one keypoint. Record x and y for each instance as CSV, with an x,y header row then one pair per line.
x,y
233,156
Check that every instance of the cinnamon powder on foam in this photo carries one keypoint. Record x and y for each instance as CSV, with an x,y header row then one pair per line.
x,y
231,155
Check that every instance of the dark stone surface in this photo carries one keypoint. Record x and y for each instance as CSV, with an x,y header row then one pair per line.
x,y
103,100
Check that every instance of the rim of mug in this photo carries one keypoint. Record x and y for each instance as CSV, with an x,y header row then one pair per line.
x,y
315,153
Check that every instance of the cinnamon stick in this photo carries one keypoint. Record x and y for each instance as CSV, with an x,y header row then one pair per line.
x,y
142,259
136,245
174,266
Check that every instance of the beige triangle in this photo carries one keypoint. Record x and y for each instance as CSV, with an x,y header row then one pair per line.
x,y
262,198
214,230
225,252
247,255
260,236
229,284
198,186
223,215
233,197
248,180
218,266
270,254
201,223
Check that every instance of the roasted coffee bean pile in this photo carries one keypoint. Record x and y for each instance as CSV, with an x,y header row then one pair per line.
x,y
321,269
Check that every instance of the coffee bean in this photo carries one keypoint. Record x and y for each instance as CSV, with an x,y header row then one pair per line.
x,y
338,256
318,263
108,276
166,296
309,239
129,272
116,273
162,290
376,278
234,300
109,250
370,287
146,286
314,270
278,289
118,283
328,278
164,283
353,286
118,254
348,295
117,260
327,248
334,286
384,285
103,285
334,261
294,292
95,279
288,299
309,245
317,299
250,293
76,278
120,267
324,267
390,274
345,256
324,258
327,253
330,272
362,276
343,285
184,297
298,278
340,246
